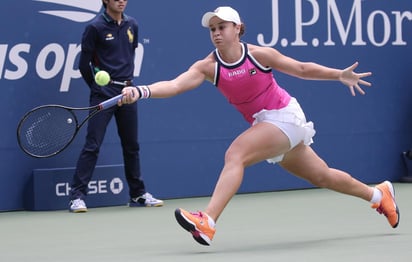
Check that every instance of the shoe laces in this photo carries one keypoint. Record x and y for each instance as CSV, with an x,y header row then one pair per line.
x,y
147,196
380,210
203,218
198,214
78,203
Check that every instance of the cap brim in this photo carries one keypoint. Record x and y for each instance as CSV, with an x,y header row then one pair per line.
x,y
206,18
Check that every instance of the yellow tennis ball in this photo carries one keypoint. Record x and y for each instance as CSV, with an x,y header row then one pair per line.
x,y
102,78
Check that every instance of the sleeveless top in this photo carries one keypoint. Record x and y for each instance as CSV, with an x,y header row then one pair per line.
x,y
249,86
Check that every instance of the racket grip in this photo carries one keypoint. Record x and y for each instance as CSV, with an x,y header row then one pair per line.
x,y
110,102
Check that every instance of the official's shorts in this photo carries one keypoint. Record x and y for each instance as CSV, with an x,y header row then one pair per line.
x,y
292,121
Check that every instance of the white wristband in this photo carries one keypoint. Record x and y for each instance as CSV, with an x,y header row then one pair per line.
x,y
144,92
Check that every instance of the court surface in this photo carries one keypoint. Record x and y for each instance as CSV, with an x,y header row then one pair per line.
x,y
302,225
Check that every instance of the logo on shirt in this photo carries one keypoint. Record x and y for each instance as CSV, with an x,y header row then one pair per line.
x,y
87,10
252,71
236,72
109,37
130,35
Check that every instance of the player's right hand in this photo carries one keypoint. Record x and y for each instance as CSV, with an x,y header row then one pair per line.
x,y
130,95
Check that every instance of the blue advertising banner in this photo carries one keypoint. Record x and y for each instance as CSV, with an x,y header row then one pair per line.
x,y
184,138
49,188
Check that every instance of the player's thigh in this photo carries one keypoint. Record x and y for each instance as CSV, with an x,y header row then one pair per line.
x,y
302,161
257,143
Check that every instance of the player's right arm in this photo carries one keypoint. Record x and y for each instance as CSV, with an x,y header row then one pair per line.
x,y
199,72
186,81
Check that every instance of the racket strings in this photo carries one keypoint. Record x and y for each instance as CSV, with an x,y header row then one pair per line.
x,y
47,131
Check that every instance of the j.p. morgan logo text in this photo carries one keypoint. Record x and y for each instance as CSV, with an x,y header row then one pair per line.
x,y
382,27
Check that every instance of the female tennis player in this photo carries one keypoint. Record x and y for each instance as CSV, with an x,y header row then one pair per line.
x,y
278,132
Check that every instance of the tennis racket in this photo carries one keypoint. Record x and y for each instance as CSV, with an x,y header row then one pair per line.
x,y
47,130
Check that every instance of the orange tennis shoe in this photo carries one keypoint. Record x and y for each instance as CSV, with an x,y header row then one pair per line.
x,y
199,224
388,206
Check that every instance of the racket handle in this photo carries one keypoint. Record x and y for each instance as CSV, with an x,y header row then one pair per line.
x,y
110,102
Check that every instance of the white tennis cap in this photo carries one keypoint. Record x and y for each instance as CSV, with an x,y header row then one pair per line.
x,y
225,13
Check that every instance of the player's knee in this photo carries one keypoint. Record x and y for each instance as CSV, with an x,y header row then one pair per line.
x,y
234,157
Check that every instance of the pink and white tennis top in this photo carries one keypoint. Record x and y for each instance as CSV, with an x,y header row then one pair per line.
x,y
248,85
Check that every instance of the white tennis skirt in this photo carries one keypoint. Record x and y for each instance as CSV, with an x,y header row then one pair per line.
x,y
292,121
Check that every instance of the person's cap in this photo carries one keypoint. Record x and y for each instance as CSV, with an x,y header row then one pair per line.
x,y
225,13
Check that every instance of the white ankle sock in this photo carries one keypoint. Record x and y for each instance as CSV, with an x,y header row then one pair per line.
x,y
211,221
377,196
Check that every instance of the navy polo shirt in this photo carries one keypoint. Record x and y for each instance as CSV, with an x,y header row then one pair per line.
x,y
110,47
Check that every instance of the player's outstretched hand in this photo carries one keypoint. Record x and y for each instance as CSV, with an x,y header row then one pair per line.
x,y
130,95
353,80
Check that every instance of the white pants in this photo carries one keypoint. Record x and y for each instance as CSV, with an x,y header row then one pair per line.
x,y
292,121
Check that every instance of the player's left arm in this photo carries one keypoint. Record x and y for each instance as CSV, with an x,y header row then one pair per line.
x,y
310,70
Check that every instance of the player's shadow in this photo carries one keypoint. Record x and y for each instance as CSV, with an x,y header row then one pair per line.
x,y
279,245
302,244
